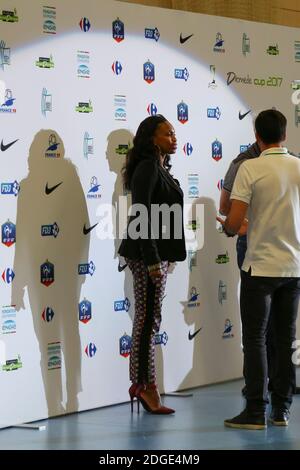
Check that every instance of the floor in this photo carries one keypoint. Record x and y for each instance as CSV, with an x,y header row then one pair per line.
x,y
197,424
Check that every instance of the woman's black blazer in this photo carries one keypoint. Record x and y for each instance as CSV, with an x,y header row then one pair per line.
x,y
152,184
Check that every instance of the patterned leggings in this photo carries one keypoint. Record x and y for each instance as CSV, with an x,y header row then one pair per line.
x,y
148,301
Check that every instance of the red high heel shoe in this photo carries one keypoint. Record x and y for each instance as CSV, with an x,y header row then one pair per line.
x,y
149,396
133,394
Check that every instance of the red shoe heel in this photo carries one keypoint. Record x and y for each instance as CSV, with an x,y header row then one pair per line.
x,y
133,394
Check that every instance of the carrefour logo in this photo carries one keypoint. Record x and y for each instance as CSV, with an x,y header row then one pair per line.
x,y
117,67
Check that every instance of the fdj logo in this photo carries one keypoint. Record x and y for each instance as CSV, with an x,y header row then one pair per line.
x,y
10,188
120,305
149,72
125,345
47,273
161,338
85,311
86,268
152,34
214,113
181,74
182,112
8,231
118,30
50,230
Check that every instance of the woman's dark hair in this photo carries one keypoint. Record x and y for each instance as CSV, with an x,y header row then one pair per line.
x,y
270,125
143,148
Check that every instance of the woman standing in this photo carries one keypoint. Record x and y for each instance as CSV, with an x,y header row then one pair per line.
x,y
152,241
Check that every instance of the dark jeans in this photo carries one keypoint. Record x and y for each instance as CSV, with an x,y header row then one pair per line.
x,y
241,248
257,294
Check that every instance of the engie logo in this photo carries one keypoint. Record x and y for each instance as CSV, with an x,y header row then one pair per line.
x,y
49,15
85,311
54,355
193,183
8,319
120,305
83,61
120,108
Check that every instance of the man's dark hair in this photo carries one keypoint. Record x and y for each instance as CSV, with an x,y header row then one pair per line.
x,y
270,126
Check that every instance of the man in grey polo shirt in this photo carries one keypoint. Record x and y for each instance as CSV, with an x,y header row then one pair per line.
x,y
269,189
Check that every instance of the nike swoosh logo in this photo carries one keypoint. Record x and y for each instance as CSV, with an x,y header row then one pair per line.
x,y
50,190
241,116
192,335
121,268
183,40
88,230
5,147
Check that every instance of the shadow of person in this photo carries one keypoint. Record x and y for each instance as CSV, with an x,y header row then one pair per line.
x,y
207,317
51,195
118,143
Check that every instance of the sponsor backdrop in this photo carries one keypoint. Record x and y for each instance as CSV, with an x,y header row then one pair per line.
x,y
76,79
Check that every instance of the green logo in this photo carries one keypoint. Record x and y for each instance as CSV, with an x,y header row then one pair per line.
x,y
45,62
84,107
12,364
9,16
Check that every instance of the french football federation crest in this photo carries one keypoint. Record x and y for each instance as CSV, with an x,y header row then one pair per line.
x,y
8,232
85,311
216,148
47,273
118,30
149,72
182,112
125,345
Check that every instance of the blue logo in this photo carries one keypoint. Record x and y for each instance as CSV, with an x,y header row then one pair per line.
x,y
90,350
161,338
149,72
84,24
117,67
10,188
216,149
227,329
88,145
83,71
182,112
47,273
214,113
218,47
193,298
193,182
220,184
4,55
52,149
152,109
8,275
51,230
94,189
125,345
188,149
9,326
120,107
244,148
85,311
9,315
120,305
118,30
48,314
86,268
181,74
6,106
151,33
49,27
8,232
